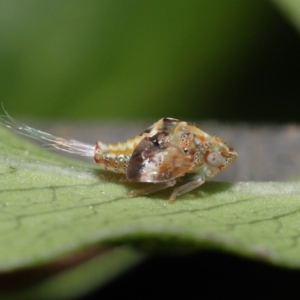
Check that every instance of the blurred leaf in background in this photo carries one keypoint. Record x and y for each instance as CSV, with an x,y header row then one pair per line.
x,y
136,59
291,8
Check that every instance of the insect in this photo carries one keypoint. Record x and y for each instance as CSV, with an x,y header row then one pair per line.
x,y
161,155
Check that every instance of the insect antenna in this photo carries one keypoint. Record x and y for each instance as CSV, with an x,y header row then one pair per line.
x,y
48,140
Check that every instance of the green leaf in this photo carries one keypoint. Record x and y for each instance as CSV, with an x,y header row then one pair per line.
x,y
79,280
51,206
74,56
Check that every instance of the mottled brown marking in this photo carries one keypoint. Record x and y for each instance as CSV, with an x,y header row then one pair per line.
x,y
143,151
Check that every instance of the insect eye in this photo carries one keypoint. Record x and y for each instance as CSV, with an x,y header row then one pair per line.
x,y
215,159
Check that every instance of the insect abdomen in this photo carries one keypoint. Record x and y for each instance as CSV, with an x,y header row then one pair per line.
x,y
115,157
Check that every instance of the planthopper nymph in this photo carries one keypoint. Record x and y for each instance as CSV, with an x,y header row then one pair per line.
x,y
168,150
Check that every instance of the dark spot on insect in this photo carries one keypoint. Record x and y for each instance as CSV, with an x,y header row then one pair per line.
x,y
186,150
158,139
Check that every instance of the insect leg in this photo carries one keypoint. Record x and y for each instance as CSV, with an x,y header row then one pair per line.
x,y
185,188
149,189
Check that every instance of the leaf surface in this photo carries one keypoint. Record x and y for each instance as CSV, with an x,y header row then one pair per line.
x,y
50,206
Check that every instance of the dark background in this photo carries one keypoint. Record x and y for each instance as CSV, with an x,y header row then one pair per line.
x,y
206,275
106,60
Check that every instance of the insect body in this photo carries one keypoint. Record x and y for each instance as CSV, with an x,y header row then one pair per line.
x,y
166,151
